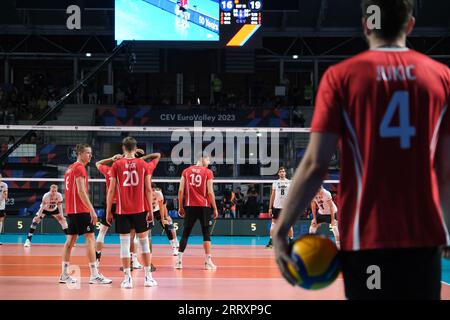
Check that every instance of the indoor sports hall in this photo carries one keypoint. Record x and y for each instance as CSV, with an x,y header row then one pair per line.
x,y
233,87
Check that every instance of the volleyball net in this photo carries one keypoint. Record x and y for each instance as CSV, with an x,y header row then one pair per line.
x,y
244,158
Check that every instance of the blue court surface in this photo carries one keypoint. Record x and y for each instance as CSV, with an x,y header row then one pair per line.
x,y
196,240
139,20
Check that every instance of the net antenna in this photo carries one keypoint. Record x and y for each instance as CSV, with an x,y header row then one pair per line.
x,y
61,102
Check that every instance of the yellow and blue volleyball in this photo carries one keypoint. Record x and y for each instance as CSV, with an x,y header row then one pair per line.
x,y
316,262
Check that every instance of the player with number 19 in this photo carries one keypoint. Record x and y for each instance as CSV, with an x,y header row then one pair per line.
x,y
195,199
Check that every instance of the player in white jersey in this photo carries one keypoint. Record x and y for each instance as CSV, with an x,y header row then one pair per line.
x,y
160,214
3,198
324,211
280,191
51,205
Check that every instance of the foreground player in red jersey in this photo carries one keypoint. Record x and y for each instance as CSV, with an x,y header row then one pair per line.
x,y
81,216
195,198
389,108
133,183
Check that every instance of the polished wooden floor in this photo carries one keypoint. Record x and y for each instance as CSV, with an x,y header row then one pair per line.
x,y
244,273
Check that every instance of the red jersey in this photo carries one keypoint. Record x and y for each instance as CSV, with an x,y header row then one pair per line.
x,y
74,204
106,171
151,166
130,183
388,107
195,186
184,3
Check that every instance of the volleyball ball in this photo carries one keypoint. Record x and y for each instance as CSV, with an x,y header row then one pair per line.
x,y
316,262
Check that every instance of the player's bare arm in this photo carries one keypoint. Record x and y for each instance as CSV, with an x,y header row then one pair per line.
x,y
313,209
442,166
149,196
152,156
108,160
85,198
272,199
329,204
212,198
305,183
180,198
110,199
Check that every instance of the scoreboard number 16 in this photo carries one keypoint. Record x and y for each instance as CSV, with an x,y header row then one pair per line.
x,y
227,5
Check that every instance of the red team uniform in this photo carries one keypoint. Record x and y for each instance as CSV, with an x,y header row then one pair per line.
x,y
196,191
130,177
388,106
151,166
106,171
78,213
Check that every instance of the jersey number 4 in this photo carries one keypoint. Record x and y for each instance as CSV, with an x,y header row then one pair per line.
x,y
404,131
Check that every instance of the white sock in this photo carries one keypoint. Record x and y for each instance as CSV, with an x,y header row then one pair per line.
x,y
94,270
148,271
1,226
127,272
65,267
312,230
208,257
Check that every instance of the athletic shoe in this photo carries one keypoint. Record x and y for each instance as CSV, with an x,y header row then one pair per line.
x,y
175,251
150,282
179,264
209,265
269,245
27,243
99,279
127,283
65,278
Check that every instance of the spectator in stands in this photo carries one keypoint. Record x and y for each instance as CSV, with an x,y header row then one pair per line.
x,y
33,138
42,105
216,86
252,205
229,204
239,202
11,140
92,94
51,102
298,118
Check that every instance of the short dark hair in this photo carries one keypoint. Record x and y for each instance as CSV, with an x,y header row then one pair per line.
x,y
394,16
281,168
80,147
129,143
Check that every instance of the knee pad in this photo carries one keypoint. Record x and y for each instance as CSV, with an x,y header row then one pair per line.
x,y
125,246
145,245
206,235
101,235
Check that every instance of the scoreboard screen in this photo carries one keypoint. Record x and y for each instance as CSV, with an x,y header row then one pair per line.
x,y
240,12
212,22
